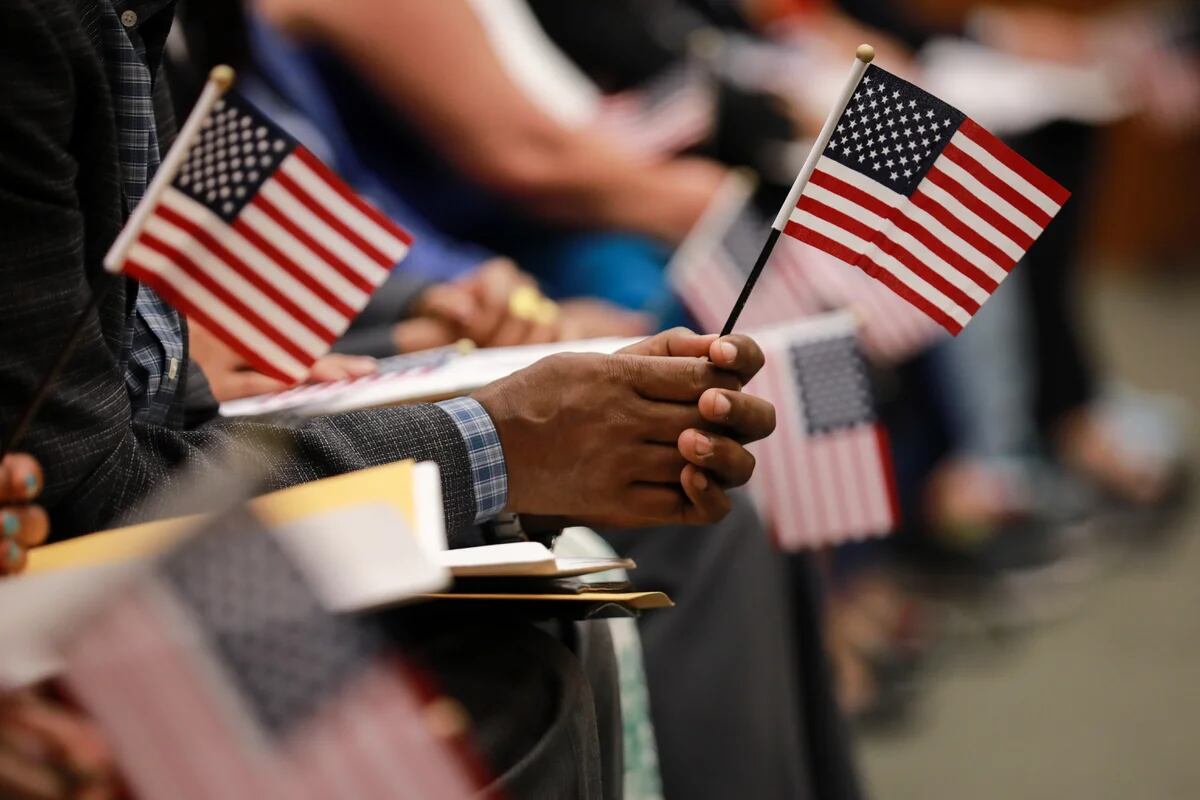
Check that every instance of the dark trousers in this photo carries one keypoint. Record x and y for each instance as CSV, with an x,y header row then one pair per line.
x,y
740,692
542,700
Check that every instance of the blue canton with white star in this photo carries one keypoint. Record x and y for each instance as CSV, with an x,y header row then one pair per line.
x,y
835,389
237,150
892,132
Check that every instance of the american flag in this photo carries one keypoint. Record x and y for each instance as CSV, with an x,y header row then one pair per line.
x,y
708,274
825,476
668,114
923,199
219,674
262,244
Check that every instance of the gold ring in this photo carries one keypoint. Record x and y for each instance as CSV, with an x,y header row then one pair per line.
x,y
524,302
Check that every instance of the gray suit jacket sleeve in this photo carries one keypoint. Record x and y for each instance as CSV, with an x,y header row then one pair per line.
x,y
59,211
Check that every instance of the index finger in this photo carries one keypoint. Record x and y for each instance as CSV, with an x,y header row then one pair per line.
x,y
739,354
674,342
20,478
673,379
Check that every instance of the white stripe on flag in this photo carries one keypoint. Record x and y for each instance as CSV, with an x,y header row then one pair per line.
x,y
918,215
316,186
1004,173
255,259
970,218
923,254
886,261
337,245
302,257
220,313
994,201
280,320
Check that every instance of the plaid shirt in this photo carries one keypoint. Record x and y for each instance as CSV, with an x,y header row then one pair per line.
x,y
134,34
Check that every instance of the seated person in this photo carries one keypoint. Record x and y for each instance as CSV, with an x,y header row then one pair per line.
x,y
84,124
477,158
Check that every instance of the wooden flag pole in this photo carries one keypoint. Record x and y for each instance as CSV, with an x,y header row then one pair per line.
x,y
219,81
862,58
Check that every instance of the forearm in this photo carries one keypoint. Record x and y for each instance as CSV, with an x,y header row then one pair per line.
x,y
152,461
448,81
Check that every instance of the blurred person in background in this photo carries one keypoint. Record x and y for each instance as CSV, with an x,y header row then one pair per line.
x,y
464,147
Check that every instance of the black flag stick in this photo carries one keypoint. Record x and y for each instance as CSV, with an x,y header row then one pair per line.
x,y
219,80
862,58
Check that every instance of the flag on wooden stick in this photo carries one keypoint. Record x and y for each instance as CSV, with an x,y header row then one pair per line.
x,y
247,232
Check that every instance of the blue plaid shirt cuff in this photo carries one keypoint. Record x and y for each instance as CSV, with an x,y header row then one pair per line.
x,y
488,470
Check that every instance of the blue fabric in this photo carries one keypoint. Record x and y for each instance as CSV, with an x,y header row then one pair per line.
x,y
624,269
413,183
153,349
488,470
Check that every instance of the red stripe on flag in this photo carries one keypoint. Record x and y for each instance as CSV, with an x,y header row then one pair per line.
x,y
304,276
889,472
295,231
1006,156
184,304
910,226
822,242
338,185
249,273
243,310
972,203
332,220
886,245
992,181
962,230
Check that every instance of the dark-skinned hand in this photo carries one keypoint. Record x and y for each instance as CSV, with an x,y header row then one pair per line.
x,y
651,435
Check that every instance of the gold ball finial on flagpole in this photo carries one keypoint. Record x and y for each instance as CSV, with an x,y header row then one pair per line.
x,y
222,75
865,53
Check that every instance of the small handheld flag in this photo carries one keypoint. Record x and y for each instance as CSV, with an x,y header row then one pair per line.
x,y
826,476
219,673
247,232
917,195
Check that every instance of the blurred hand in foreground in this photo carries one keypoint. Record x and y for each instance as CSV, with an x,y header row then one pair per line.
x,y
650,435
498,305
22,524
230,377
50,751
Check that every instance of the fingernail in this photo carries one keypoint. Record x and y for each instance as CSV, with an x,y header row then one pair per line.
x,y
702,444
31,485
14,553
721,405
700,480
728,351
12,525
